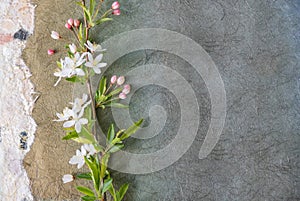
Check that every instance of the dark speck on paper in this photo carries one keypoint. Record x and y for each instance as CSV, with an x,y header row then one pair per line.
x,y
21,34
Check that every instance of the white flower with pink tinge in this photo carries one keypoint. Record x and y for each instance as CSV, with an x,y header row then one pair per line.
x,y
55,35
95,64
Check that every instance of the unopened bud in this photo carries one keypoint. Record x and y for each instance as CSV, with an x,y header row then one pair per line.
x,y
126,89
71,21
68,26
76,23
55,35
113,79
116,12
51,52
122,96
121,80
115,5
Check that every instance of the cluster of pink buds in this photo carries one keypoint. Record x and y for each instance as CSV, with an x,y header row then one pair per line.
x,y
119,81
115,7
72,23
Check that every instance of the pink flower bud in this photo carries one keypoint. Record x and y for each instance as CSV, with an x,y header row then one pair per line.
x,y
122,96
113,79
76,23
70,21
51,52
55,35
68,26
116,12
115,5
121,80
126,89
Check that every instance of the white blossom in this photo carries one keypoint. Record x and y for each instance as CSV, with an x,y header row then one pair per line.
x,y
67,113
73,117
95,63
76,121
90,148
80,103
94,47
78,159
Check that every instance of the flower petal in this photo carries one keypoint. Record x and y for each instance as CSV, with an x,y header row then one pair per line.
x,y
97,70
67,178
99,58
68,124
78,127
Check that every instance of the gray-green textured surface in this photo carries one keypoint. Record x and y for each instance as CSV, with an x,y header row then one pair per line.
x,y
256,48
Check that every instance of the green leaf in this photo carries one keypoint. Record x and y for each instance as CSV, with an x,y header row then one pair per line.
x,y
88,198
132,129
94,170
116,91
80,35
98,147
84,176
73,79
102,20
103,168
123,191
86,137
118,105
58,64
71,135
92,6
113,192
116,148
116,140
111,133
102,85
86,12
107,185
85,190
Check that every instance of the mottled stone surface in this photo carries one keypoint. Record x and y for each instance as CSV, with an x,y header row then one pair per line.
x,y
255,45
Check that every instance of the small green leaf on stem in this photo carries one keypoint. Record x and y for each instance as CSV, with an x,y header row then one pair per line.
x,y
74,79
87,136
115,148
71,135
84,176
88,198
94,172
123,191
132,129
107,185
118,105
111,133
85,190
102,85
102,20
116,91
